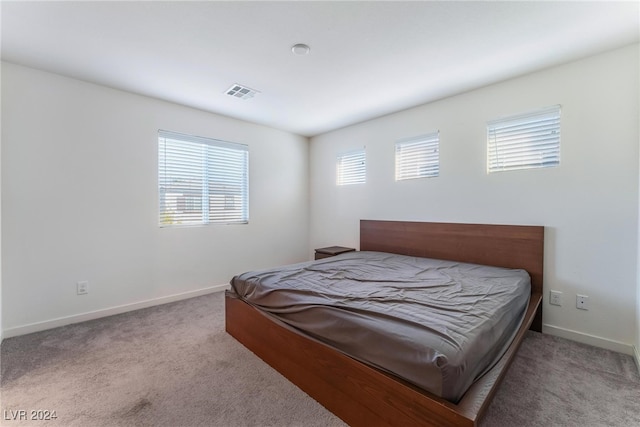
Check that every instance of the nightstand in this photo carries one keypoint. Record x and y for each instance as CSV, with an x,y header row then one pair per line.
x,y
332,251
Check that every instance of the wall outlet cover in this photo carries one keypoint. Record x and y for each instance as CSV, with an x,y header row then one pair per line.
x,y
82,287
582,302
555,298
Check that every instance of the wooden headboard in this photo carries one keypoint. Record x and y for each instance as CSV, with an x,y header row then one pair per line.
x,y
511,246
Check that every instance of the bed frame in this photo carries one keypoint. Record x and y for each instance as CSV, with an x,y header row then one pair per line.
x,y
365,396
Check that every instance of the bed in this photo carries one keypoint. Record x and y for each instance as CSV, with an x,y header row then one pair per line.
x,y
362,394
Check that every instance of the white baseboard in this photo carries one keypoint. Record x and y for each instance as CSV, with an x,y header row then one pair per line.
x,y
83,317
636,353
593,340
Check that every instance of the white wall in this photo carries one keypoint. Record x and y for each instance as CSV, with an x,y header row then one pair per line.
x,y
80,202
1,330
637,343
589,204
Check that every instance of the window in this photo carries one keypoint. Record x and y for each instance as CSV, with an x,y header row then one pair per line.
x,y
351,168
418,157
201,180
525,141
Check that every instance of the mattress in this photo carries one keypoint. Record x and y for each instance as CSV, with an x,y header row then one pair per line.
x,y
439,325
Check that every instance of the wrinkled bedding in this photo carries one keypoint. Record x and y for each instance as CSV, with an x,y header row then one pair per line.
x,y
436,324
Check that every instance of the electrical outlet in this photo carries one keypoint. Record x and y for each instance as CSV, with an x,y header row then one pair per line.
x,y
82,288
555,298
582,302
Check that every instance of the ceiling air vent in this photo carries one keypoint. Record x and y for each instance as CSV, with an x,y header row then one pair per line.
x,y
241,92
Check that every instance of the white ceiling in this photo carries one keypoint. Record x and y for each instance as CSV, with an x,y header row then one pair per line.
x,y
367,59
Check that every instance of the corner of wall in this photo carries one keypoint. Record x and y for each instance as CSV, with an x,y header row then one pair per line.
x,y
636,347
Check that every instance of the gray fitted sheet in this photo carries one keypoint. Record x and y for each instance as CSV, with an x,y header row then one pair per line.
x,y
437,324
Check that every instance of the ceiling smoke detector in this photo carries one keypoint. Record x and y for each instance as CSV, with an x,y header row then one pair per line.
x,y
241,92
300,49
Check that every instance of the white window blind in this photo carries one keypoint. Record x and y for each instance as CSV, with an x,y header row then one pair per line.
x,y
418,157
201,180
525,141
351,168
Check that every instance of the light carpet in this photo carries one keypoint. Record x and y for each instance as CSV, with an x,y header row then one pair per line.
x,y
174,365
